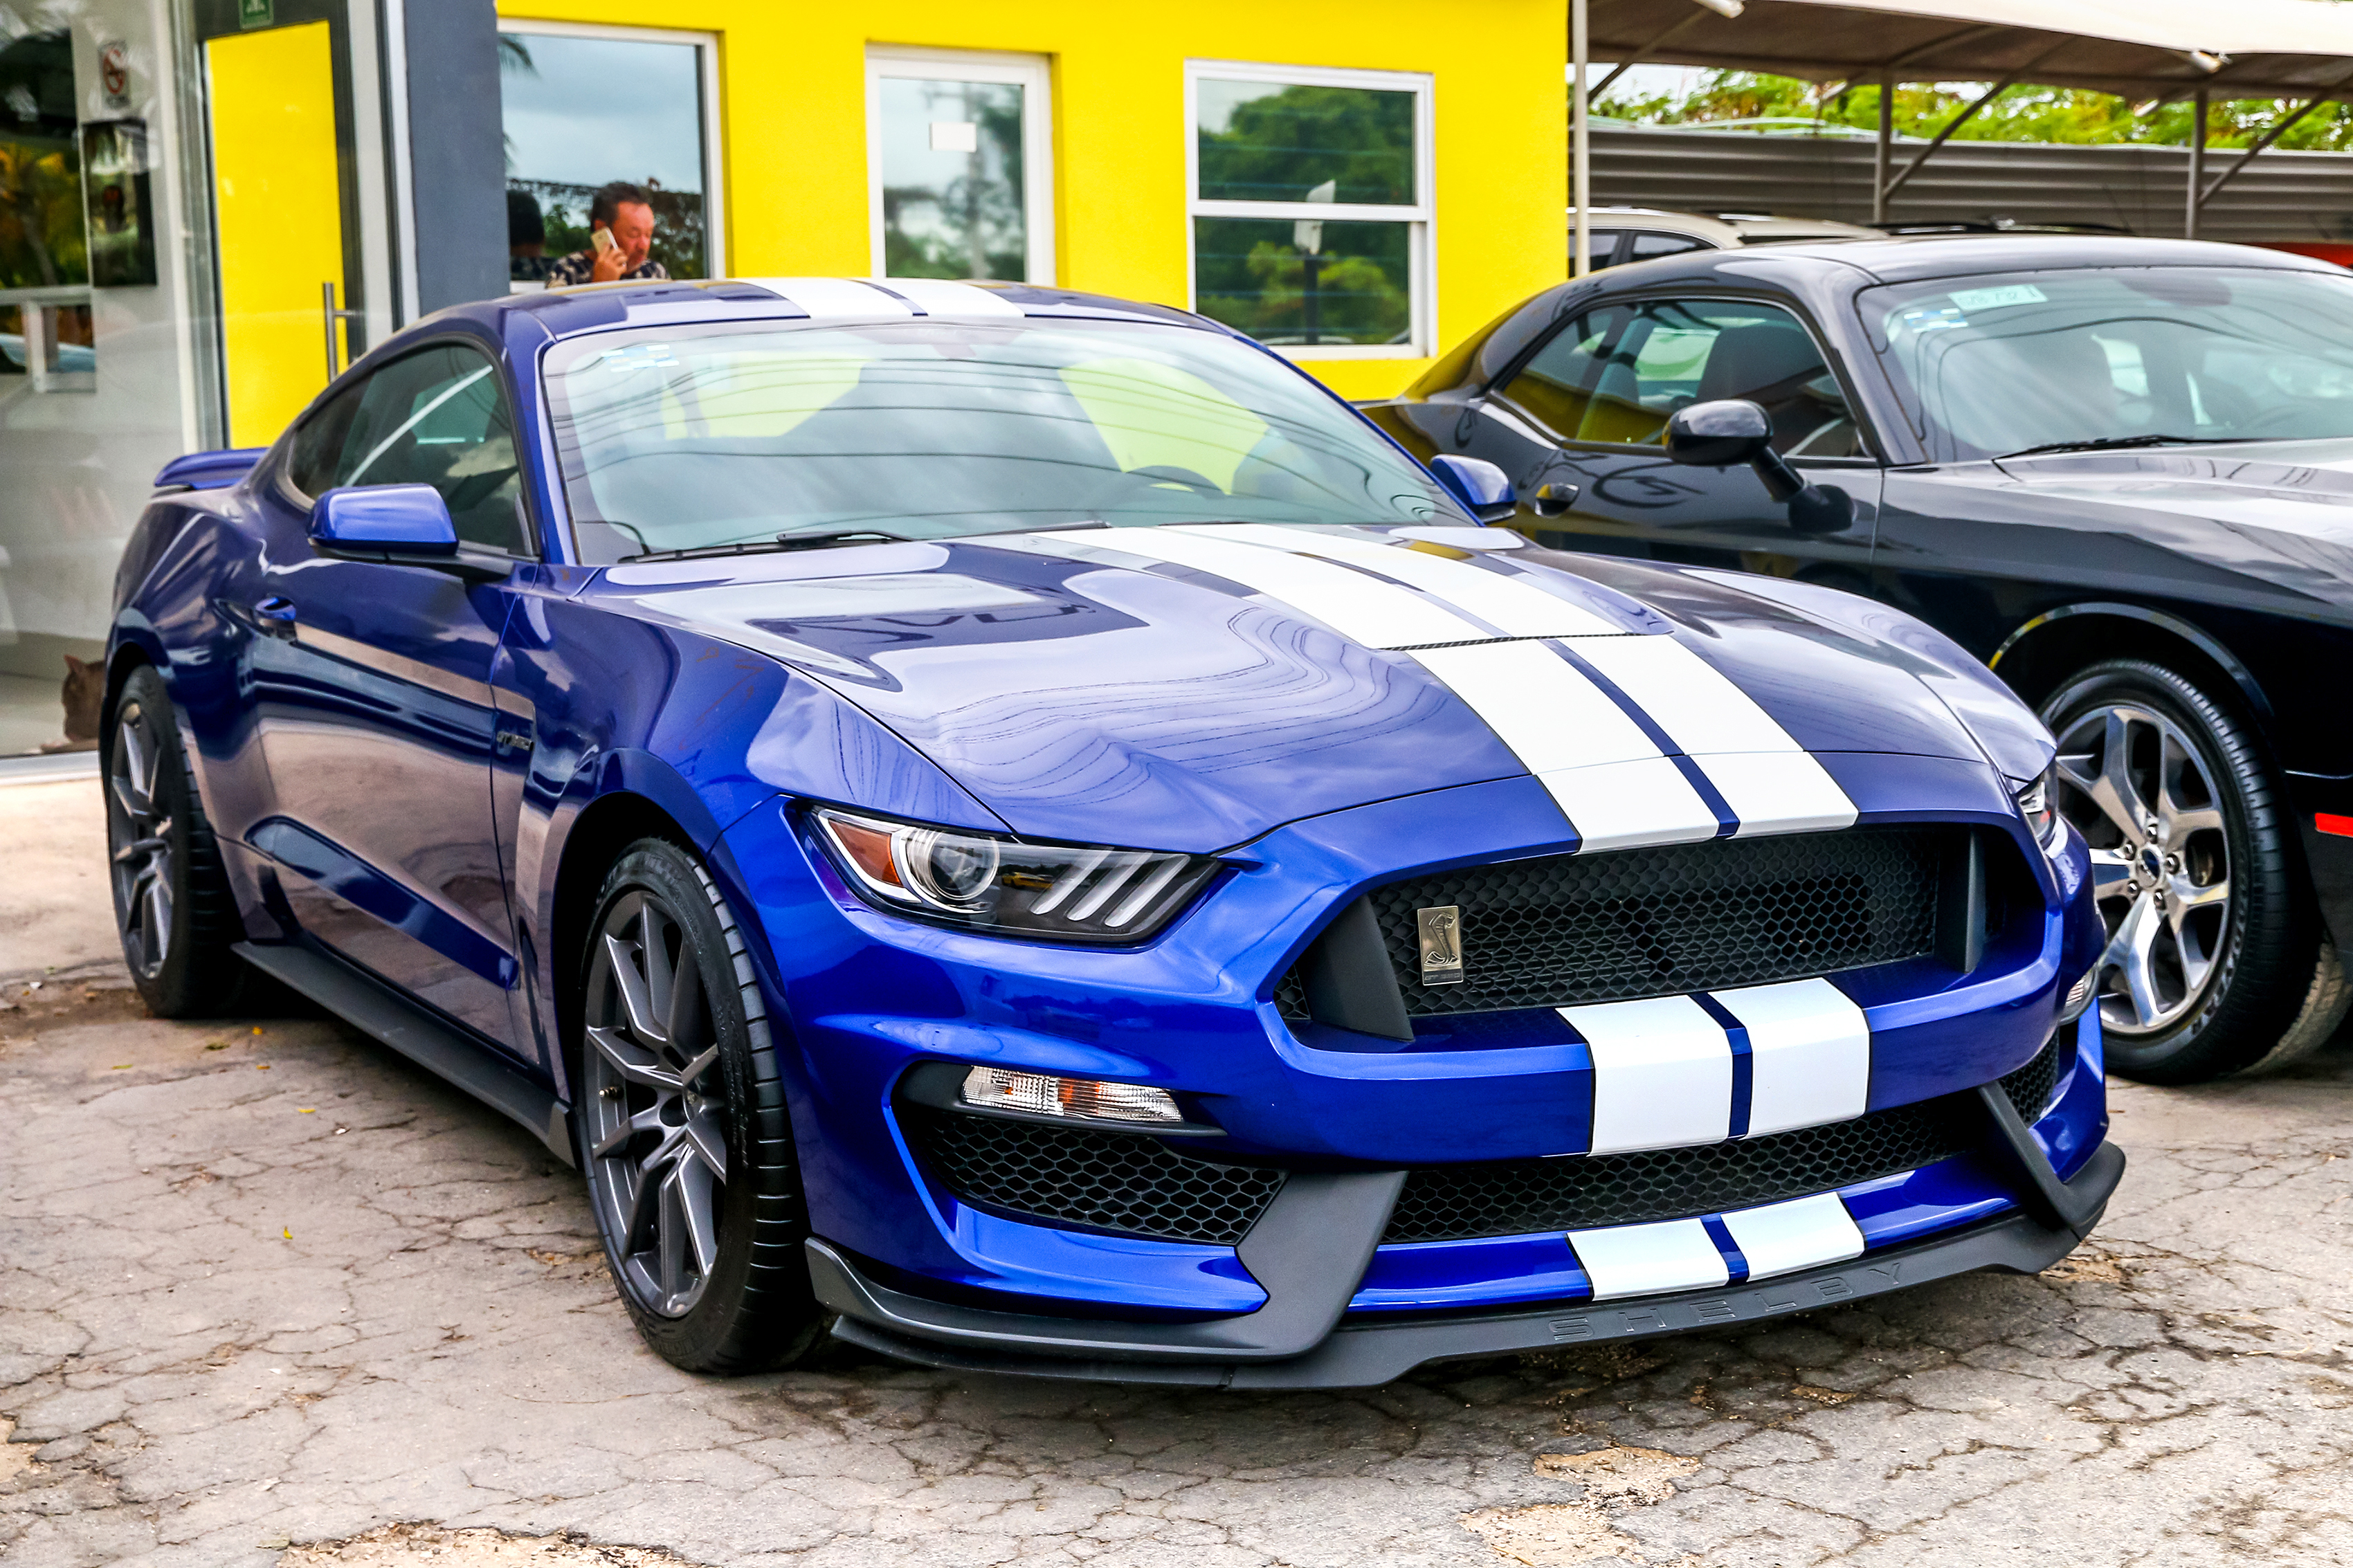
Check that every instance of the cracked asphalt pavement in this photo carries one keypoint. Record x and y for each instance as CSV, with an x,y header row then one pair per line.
x,y
271,1295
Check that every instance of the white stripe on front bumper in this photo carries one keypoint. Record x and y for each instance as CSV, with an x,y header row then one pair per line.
x,y
1644,1260
1781,1238
1662,1073
1810,1054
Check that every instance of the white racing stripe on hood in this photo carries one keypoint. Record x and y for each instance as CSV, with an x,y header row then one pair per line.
x,y
1619,788
1512,607
1376,614
1608,777
1772,784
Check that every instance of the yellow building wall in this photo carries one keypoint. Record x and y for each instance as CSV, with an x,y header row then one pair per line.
x,y
279,214
793,107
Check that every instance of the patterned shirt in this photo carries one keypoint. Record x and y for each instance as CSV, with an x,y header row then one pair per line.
x,y
580,267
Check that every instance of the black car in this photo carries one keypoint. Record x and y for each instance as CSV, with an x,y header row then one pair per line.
x,y
2119,470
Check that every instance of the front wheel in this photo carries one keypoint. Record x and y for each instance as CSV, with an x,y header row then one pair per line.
x,y
2215,962
681,1125
172,903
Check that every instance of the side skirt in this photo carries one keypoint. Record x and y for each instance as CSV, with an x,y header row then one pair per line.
x,y
368,1006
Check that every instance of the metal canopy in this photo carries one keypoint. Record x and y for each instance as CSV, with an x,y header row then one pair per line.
x,y
2247,48
2298,49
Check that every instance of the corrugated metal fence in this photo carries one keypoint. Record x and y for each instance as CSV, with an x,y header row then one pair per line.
x,y
2281,196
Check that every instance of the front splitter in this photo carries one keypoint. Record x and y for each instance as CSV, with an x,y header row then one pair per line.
x,y
1367,1351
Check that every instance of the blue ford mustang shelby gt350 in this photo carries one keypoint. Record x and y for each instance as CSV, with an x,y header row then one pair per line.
x,y
1014,828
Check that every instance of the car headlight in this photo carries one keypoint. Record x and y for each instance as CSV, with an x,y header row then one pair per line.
x,y
1062,892
2037,803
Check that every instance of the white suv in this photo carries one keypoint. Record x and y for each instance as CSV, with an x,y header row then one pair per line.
x,y
1619,235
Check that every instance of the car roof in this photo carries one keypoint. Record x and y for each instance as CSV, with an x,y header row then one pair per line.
x,y
1726,229
1909,257
828,300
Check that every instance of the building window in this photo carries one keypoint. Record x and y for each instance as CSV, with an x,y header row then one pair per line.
x,y
960,165
1311,207
584,106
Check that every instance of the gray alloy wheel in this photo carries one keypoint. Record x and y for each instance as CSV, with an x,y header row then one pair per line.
x,y
139,841
2139,791
173,907
2217,961
654,1104
682,1122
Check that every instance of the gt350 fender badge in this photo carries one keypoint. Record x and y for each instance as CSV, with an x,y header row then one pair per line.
x,y
1441,944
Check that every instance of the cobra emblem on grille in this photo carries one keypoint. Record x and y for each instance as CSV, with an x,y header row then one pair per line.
x,y
1441,944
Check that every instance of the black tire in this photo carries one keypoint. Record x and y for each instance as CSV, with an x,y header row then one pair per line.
x,y
172,905
2238,974
656,1087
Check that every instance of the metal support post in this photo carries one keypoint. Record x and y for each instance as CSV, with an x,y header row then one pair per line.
x,y
1580,152
2195,195
1880,157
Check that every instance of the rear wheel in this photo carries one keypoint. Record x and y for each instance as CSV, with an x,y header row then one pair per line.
x,y
2215,962
173,904
681,1124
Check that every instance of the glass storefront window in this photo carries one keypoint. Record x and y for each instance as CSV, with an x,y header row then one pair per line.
x,y
583,107
1310,207
959,150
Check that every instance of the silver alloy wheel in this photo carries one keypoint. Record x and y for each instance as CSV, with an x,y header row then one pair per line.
x,y
2138,789
653,1101
139,838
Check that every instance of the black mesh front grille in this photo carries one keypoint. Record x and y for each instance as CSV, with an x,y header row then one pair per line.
x,y
1674,919
1139,1186
1103,1180
1516,1197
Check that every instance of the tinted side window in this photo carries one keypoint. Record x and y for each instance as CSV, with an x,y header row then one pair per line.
x,y
1648,245
435,417
1602,244
319,443
1616,376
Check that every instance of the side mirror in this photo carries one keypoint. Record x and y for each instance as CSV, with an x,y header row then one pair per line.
x,y
1483,488
387,520
1735,431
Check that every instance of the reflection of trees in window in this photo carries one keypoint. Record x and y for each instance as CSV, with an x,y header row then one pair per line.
x,y
972,224
1250,274
1279,145
41,239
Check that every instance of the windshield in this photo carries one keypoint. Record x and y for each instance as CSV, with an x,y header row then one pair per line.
x,y
2007,360
690,438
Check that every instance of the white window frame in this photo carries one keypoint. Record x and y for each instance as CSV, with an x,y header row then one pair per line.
x,y
1033,74
715,259
1421,252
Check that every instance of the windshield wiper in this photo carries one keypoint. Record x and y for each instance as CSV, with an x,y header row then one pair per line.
x,y
781,542
2113,442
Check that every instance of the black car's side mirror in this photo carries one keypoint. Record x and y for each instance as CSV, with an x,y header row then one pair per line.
x,y
1735,431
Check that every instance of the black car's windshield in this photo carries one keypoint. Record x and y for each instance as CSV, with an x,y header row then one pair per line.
x,y
695,438
2004,361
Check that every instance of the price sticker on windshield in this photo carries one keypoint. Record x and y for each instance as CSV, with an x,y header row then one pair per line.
x,y
1974,300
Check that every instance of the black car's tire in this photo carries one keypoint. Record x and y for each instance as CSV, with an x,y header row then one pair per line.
x,y
172,905
697,1192
2217,962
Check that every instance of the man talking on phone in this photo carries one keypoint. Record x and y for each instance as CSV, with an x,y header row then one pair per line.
x,y
620,233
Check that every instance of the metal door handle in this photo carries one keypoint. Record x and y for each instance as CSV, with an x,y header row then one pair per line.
x,y
274,616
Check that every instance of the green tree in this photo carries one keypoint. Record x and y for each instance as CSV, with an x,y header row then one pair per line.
x,y
2023,113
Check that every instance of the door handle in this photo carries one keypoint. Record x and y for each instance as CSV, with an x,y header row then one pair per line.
x,y
274,616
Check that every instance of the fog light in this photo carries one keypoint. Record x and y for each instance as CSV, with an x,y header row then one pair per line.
x,y
1000,1089
2079,996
